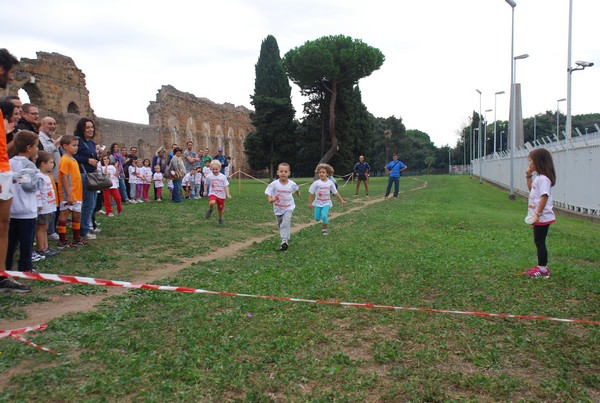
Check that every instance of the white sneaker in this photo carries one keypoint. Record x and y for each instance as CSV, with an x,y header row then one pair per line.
x,y
139,201
158,199
90,236
54,236
36,257
101,212
110,215
97,229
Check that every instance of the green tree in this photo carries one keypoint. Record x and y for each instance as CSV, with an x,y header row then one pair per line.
x,y
274,138
325,64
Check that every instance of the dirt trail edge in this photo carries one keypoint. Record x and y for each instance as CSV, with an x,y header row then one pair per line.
x,y
65,304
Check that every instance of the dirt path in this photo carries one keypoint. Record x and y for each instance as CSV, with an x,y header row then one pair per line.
x,y
65,304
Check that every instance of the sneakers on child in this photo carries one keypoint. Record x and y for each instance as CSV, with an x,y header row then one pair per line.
x,y
63,245
284,245
208,213
77,244
110,215
10,285
49,252
537,272
325,232
36,257
90,236
220,221
54,236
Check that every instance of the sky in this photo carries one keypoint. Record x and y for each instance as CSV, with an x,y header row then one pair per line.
x,y
437,52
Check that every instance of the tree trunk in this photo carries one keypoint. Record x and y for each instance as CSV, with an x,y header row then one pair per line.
x,y
334,142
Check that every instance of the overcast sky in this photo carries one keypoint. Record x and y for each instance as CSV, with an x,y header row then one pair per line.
x,y
437,51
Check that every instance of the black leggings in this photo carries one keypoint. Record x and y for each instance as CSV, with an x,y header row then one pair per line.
x,y
540,232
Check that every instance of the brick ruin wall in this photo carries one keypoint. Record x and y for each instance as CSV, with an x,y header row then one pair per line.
x,y
55,84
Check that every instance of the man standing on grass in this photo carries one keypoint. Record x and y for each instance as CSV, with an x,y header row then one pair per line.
x,y
361,170
394,169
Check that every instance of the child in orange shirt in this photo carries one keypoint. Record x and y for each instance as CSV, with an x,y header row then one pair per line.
x,y
70,192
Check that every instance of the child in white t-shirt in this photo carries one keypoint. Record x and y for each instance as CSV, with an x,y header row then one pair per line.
x,y
111,170
157,179
323,188
280,193
219,190
46,198
146,179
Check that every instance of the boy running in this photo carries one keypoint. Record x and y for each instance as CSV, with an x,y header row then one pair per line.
x,y
280,193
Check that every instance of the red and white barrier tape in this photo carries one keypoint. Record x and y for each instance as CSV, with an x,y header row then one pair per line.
x,y
126,284
9,333
32,344
15,332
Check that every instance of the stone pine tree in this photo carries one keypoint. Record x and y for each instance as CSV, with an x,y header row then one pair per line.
x,y
326,63
273,117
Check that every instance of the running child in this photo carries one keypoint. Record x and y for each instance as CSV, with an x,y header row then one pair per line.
x,y
280,194
541,178
323,188
219,190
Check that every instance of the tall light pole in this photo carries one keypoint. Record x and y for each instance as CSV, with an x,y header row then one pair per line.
x,y
479,140
495,96
558,121
485,132
512,125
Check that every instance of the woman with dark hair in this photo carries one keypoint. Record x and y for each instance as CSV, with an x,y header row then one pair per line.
x,y
86,156
118,160
11,114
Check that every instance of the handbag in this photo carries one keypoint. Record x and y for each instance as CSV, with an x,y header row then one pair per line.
x,y
98,180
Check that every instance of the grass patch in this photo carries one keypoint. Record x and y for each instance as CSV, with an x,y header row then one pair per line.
x,y
454,244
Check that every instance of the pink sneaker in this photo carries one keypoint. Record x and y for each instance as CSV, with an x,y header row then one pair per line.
x,y
536,272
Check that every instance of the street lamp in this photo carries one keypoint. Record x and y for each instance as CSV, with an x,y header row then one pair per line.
x,y
495,95
479,140
485,139
557,121
580,66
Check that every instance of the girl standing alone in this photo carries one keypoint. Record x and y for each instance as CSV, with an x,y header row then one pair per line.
x,y
541,177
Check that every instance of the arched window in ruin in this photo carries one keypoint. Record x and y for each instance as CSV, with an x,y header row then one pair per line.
x,y
190,130
173,125
206,134
73,108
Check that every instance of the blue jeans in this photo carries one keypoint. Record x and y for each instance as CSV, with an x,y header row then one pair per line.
x,y
89,203
123,189
396,182
176,194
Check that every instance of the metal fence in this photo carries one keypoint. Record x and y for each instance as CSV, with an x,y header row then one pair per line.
x,y
577,164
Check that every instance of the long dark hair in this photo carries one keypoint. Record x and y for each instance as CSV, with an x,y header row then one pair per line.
x,y
544,165
8,108
112,148
80,127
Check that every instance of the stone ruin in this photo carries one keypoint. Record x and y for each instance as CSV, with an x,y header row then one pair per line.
x,y
55,84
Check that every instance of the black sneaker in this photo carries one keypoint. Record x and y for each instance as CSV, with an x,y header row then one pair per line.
x,y
220,221
208,213
10,285
284,245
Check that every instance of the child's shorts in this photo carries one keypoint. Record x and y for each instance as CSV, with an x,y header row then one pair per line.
x,y
45,219
75,207
6,181
220,202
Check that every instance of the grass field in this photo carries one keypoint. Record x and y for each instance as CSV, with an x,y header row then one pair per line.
x,y
448,243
